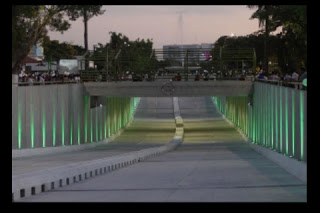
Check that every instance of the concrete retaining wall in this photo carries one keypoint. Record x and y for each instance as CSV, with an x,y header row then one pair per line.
x,y
292,165
277,118
60,115
29,184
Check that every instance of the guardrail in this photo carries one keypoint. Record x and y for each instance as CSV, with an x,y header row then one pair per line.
x,y
296,85
38,83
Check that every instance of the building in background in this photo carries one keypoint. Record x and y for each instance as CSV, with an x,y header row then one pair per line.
x,y
36,52
197,52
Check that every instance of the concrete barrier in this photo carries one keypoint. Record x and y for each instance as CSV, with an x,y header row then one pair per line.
x,y
32,183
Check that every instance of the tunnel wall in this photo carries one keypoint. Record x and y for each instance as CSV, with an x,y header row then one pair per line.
x,y
276,119
60,115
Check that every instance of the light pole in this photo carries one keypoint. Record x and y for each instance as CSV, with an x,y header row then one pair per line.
x,y
107,63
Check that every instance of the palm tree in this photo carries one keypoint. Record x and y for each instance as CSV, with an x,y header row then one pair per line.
x,y
262,13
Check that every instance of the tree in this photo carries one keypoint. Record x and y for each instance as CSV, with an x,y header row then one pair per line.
x,y
80,50
293,20
263,14
53,50
87,12
29,25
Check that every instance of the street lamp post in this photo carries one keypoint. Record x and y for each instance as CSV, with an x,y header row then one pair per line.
x,y
107,63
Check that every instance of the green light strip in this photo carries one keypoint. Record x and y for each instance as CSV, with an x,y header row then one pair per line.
x,y
91,131
281,119
276,110
71,128
105,122
254,119
301,125
272,125
86,102
287,125
293,121
97,127
100,123
53,124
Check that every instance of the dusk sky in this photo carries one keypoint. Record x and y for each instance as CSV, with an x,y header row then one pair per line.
x,y
198,24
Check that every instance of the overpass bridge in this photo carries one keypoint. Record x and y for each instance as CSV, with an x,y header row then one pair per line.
x,y
169,88
175,149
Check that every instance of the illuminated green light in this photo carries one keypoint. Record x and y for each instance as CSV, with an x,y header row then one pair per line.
x,y
71,129
54,126
304,82
277,131
86,102
281,119
287,125
301,124
105,123
293,121
71,135
101,127
97,127
271,126
91,131
32,124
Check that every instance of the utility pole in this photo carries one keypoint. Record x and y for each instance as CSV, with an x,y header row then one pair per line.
x,y
106,66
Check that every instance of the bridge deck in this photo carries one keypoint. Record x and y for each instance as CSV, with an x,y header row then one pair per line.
x,y
200,170
166,89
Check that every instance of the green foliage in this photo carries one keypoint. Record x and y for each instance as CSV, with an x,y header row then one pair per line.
x,y
135,56
53,50
80,50
291,43
85,11
30,23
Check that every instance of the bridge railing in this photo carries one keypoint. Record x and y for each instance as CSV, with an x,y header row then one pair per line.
x,y
37,83
291,84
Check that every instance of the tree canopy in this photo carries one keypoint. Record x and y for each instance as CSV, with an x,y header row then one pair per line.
x,y
30,23
136,56
292,19
54,51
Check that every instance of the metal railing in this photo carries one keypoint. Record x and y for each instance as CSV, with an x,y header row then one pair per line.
x,y
291,84
38,83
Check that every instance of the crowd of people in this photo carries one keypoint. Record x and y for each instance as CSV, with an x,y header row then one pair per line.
x,y
32,78
36,78
295,76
